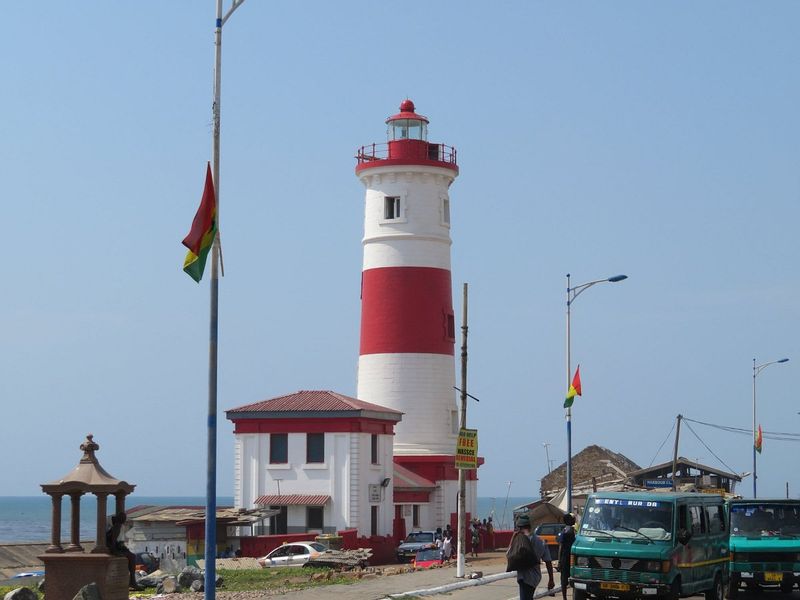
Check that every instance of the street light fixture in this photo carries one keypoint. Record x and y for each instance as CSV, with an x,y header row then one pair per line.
x,y
756,370
572,293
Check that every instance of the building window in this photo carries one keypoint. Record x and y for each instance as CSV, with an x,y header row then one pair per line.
x,y
374,449
415,515
445,211
373,520
451,327
277,524
278,448
314,517
315,447
391,207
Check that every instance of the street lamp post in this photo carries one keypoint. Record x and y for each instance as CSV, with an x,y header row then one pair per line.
x,y
572,293
756,370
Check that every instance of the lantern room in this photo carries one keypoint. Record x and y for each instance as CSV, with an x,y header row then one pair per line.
x,y
406,144
406,125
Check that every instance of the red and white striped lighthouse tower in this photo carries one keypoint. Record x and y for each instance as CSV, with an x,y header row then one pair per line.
x,y
406,359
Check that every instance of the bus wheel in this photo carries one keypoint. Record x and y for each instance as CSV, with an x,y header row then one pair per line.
x,y
578,594
733,588
717,592
786,586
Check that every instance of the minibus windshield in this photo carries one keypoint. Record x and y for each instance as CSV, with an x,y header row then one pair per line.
x,y
765,520
627,518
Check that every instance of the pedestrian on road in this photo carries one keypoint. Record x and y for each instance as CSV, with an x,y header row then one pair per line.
x,y
475,537
565,540
530,576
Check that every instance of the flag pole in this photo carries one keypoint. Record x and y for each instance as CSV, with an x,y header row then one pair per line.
x,y
211,449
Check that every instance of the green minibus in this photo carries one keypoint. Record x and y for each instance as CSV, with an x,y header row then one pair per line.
x,y
764,545
646,544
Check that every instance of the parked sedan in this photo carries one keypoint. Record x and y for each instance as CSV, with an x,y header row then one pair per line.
x,y
295,554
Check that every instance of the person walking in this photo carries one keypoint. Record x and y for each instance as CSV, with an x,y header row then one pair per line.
x,y
475,537
530,575
565,540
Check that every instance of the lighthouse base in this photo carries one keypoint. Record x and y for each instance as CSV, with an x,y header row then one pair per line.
x,y
442,502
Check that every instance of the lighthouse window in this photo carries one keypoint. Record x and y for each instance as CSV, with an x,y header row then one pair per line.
x,y
445,211
408,129
391,207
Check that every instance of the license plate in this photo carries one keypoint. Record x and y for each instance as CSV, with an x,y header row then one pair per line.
x,y
773,576
617,587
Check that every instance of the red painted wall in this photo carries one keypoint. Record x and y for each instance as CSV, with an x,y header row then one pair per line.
x,y
406,309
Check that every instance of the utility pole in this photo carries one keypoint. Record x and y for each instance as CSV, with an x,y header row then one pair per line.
x,y
675,455
462,476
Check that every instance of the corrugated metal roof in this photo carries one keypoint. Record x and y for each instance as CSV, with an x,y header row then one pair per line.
x,y
293,500
405,479
313,401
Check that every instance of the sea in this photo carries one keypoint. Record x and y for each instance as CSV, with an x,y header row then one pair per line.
x,y
28,518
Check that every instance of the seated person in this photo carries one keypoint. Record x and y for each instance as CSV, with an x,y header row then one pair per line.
x,y
118,548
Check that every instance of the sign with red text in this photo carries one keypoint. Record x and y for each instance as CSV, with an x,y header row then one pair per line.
x,y
467,449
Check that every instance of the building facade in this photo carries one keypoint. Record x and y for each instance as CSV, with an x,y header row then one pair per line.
x,y
323,459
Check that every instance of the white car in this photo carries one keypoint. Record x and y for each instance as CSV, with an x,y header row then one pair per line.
x,y
295,554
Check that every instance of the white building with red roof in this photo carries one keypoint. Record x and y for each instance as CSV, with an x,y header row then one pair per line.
x,y
323,459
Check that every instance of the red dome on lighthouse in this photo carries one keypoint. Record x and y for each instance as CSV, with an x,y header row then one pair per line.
x,y
407,112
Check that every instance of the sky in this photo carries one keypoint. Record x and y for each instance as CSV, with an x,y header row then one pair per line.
x,y
657,140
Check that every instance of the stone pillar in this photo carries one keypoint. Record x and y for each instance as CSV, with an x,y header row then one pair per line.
x,y
75,523
55,534
119,505
100,545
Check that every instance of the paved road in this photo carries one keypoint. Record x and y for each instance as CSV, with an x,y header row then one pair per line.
x,y
507,590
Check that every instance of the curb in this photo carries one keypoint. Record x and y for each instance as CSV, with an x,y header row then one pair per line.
x,y
443,589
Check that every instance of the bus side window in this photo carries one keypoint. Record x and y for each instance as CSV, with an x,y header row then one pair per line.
x,y
715,519
682,520
697,518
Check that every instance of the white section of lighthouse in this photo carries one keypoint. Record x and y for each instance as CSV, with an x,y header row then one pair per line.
x,y
406,359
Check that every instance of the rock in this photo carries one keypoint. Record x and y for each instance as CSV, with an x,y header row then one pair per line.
x,y
88,592
188,575
197,585
22,593
168,585
152,580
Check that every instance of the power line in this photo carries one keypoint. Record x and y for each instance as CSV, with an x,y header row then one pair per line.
x,y
662,444
772,435
709,449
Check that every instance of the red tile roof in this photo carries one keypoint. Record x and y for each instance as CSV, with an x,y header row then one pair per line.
x,y
313,401
293,500
406,479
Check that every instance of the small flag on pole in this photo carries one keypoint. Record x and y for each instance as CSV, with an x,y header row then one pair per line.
x,y
759,439
204,228
574,389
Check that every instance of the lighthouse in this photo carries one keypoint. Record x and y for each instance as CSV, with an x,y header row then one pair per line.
x,y
408,333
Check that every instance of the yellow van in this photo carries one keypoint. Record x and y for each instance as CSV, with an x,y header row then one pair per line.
x,y
648,544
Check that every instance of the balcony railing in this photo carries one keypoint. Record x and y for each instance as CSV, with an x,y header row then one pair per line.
x,y
407,150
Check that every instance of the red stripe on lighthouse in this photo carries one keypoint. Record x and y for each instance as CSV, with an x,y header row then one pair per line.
x,y
407,309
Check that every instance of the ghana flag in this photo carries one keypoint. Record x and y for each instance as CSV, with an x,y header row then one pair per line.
x,y
204,228
574,389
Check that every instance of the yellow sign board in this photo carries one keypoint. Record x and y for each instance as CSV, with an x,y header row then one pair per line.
x,y
467,449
